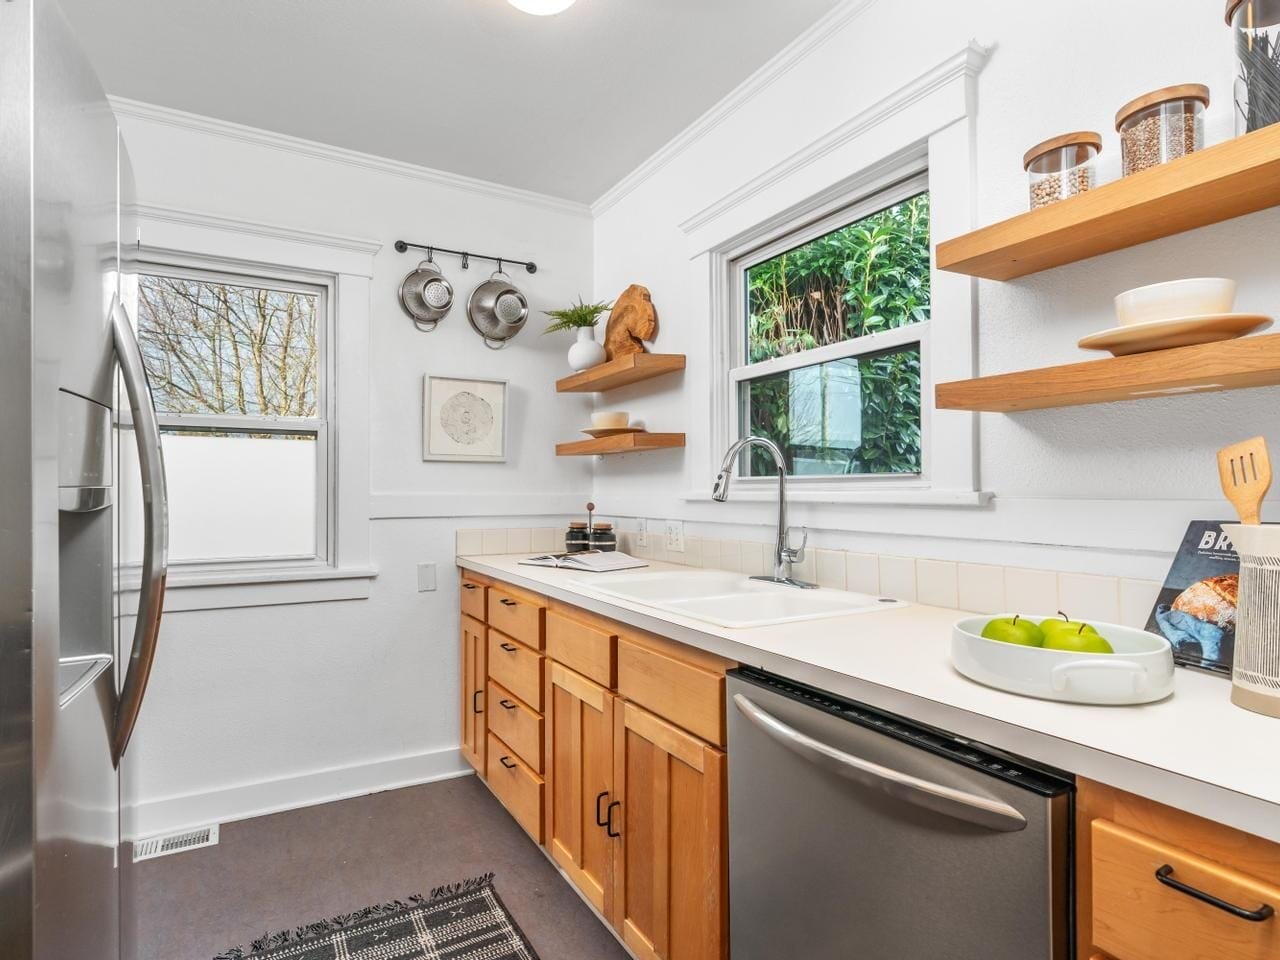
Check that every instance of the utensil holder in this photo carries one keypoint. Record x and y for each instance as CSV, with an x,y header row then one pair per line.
x,y
1255,669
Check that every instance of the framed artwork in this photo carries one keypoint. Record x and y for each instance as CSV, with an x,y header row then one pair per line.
x,y
464,420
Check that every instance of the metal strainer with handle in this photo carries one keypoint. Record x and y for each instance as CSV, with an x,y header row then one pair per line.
x,y
426,296
497,310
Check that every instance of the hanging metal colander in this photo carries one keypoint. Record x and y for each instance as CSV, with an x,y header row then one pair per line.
x,y
426,296
497,310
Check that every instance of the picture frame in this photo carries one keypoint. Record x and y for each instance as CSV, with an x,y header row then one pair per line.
x,y
464,419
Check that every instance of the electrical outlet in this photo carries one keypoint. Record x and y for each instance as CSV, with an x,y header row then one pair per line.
x,y
642,532
426,577
675,536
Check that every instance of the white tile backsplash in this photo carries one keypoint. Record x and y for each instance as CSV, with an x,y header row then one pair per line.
x,y
830,568
709,554
495,541
757,559
981,587
469,543
1137,599
1030,592
520,541
545,539
731,555
1085,596
898,577
937,583
862,573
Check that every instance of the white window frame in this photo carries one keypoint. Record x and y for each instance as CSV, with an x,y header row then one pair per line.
x,y
321,427
344,267
910,185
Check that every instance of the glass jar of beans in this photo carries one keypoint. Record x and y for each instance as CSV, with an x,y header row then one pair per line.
x,y
1255,25
1062,167
1161,126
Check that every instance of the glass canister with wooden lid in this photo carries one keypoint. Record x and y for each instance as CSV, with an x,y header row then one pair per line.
x,y
1062,167
1162,125
1255,27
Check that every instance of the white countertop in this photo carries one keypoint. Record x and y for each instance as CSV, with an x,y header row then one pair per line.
x,y
1194,750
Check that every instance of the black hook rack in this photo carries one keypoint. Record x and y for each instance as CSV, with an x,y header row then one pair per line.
x,y
467,256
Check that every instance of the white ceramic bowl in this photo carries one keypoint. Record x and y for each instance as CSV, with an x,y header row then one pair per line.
x,y
1140,670
610,419
1195,297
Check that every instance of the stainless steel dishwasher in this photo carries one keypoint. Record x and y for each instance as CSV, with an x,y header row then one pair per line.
x,y
855,833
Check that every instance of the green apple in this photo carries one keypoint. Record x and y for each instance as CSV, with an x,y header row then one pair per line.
x,y
1077,641
1025,633
1066,624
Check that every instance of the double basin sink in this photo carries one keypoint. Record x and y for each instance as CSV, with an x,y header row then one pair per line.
x,y
732,599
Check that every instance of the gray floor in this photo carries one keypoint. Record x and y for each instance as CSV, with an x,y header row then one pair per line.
x,y
291,868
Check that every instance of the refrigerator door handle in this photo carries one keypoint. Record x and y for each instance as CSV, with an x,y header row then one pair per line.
x,y
985,812
155,538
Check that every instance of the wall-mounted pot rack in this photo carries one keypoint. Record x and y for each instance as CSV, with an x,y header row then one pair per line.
x,y
466,255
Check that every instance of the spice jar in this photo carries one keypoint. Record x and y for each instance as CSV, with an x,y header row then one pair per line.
x,y
1162,125
575,540
604,538
1255,25
1062,167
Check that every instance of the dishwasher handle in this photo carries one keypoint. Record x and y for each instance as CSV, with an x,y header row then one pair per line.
x,y
969,807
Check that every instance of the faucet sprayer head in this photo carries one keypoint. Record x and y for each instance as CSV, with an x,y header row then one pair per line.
x,y
720,492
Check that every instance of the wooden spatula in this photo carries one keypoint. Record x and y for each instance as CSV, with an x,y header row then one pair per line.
x,y
1245,471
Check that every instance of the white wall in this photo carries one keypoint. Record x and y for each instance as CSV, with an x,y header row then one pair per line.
x,y
280,705
1100,488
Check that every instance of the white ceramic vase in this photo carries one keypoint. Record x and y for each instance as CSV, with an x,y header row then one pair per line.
x,y
585,352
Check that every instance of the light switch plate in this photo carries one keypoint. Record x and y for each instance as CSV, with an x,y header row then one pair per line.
x,y
642,532
426,577
675,536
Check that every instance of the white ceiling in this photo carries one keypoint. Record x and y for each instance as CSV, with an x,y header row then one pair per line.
x,y
564,105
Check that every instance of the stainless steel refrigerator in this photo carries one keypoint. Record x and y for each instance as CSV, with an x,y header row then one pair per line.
x,y
77,628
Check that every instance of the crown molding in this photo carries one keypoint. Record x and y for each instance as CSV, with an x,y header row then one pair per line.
x,y
192,218
770,73
211,126
965,65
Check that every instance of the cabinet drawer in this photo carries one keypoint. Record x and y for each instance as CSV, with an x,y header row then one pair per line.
x,y
587,648
516,724
673,687
518,614
1138,917
516,667
518,787
473,598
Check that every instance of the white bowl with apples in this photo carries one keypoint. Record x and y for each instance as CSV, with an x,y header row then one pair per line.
x,y
1055,658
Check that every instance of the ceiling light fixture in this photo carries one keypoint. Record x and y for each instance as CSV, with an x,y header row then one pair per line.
x,y
542,8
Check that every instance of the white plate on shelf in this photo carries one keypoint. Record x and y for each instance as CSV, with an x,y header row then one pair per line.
x,y
1176,332
1140,670
600,432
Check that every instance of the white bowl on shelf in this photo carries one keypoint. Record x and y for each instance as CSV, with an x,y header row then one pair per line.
x,y
610,419
1193,297
1140,670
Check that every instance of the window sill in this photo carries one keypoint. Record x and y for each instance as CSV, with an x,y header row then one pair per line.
x,y
265,587
918,497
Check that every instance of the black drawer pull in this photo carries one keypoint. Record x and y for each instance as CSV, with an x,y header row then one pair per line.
x,y
509,647
609,819
1264,912
468,586
507,704
508,603
475,708
507,762
600,820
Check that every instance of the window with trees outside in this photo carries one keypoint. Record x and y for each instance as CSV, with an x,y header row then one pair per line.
x,y
237,368
834,322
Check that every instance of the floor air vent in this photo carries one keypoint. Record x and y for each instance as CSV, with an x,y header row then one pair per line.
x,y
168,843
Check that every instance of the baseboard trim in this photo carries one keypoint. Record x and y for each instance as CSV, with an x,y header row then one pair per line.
x,y
244,801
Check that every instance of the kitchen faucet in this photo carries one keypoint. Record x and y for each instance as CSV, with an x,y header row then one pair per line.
x,y
784,554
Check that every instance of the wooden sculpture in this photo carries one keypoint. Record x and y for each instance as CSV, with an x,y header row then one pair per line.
x,y
632,321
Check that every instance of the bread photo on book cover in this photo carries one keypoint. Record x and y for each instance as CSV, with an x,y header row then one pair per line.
x,y
1196,608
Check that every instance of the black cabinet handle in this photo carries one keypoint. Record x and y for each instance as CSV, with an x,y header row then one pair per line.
x,y
600,820
507,762
609,819
508,603
468,586
509,647
1264,912
506,704
475,708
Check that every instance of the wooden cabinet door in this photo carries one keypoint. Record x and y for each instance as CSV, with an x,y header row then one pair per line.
x,y
474,674
579,772
670,867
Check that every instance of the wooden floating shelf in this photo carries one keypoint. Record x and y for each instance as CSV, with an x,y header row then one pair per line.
x,y
1210,367
621,443
1218,183
620,372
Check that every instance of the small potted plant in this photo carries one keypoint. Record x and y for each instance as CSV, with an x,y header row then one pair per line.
x,y
583,317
